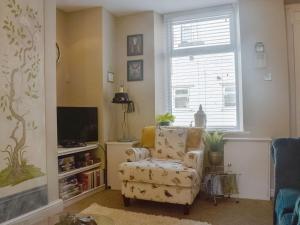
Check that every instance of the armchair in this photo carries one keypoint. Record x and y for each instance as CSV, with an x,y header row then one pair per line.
x,y
170,172
286,156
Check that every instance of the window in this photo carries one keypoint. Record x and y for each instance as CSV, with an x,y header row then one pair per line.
x,y
181,98
203,57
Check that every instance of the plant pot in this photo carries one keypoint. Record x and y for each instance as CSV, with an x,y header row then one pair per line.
x,y
164,124
215,158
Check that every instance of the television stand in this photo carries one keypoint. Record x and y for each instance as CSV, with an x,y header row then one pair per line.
x,y
73,144
68,191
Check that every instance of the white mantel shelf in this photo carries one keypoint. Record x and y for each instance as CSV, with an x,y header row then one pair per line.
x,y
79,170
68,151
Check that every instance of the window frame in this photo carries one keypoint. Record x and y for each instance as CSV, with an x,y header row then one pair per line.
x,y
234,47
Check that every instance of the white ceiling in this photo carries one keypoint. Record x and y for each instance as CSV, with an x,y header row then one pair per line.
x,y
125,7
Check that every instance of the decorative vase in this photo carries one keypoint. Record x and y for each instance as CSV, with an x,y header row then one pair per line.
x,y
215,158
165,123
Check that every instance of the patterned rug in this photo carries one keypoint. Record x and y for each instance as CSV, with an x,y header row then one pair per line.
x,y
123,217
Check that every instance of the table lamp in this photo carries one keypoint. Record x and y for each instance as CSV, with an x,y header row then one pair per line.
x,y
122,98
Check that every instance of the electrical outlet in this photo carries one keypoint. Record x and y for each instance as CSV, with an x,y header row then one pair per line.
x,y
268,77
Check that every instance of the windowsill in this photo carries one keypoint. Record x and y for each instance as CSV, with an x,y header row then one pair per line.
x,y
239,132
229,132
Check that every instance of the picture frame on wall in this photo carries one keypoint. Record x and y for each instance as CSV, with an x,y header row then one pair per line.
x,y
135,45
135,70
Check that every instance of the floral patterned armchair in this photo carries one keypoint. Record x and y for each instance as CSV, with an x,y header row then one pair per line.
x,y
171,172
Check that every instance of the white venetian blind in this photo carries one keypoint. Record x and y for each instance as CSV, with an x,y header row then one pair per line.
x,y
203,67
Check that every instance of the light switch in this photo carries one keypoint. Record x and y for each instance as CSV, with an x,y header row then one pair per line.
x,y
268,77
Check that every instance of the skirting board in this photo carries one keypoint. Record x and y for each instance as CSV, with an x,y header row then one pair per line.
x,y
38,214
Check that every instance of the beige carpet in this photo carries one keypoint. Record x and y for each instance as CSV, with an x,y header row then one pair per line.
x,y
122,217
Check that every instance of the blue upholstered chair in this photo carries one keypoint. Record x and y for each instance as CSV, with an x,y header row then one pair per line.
x,y
286,156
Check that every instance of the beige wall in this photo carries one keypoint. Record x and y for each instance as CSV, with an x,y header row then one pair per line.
x,y
161,80
141,92
86,39
266,104
79,82
109,65
266,110
291,1
62,69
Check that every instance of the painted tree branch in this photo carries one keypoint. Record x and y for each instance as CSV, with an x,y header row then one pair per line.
x,y
21,38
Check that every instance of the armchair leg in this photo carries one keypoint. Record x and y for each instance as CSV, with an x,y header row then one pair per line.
x,y
126,201
186,209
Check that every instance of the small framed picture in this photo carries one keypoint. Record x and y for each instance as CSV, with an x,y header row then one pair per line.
x,y
135,45
135,70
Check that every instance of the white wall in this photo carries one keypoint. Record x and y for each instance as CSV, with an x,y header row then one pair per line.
x,y
50,99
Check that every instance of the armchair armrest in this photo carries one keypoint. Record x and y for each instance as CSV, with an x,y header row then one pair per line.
x,y
194,159
136,154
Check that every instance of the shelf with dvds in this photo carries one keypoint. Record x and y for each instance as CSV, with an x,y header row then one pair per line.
x,y
80,172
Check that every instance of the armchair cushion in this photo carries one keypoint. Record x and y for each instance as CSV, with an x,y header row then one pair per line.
x,y
148,137
136,154
195,138
285,202
159,171
296,213
194,159
170,143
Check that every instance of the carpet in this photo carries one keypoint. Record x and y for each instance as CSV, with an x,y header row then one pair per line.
x,y
123,217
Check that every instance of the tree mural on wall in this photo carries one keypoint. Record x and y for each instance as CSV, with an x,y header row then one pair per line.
x,y
21,28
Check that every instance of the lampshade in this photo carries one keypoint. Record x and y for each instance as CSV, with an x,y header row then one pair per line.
x,y
121,98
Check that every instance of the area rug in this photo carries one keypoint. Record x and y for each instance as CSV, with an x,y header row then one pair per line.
x,y
123,217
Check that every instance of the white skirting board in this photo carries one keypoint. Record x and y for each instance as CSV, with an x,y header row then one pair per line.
x,y
38,214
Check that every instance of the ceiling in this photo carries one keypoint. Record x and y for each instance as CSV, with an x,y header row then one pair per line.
x,y
125,7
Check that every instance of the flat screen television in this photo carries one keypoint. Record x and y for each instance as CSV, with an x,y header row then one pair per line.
x,y
77,125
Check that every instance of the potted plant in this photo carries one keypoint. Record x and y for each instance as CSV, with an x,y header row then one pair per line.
x,y
214,143
165,119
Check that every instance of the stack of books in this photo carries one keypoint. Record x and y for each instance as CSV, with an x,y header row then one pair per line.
x,y
91,179
69,187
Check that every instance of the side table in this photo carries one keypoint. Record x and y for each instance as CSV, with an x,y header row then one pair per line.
x,y
115,155
220,185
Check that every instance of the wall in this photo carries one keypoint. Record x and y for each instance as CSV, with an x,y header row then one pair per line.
x,y
62,68
109,65
141,92
161,80
50,95
264,116
32,192
84,59
291,1
266,104
86,39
